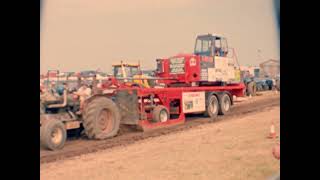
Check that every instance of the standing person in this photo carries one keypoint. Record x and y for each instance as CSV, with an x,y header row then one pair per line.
x,y
83,93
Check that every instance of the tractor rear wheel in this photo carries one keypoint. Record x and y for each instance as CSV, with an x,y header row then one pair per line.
x,y
53,134
225,104
213,107
160,114
101,119
251,88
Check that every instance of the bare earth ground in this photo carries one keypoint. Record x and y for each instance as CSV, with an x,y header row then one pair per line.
x,y
76,145
235,149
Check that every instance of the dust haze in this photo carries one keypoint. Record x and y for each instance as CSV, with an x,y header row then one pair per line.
x,y
88,35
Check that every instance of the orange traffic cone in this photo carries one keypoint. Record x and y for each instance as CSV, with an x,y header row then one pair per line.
x,y
272,134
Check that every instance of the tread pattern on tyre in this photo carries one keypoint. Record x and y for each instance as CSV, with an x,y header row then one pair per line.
x,y
90,118
222,111
208,112
45,133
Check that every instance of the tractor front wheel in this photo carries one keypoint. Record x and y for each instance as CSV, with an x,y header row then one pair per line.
x,y
53,134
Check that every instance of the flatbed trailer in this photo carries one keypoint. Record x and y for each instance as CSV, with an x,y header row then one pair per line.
x,y
143,106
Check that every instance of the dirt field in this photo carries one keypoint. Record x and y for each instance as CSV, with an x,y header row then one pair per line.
x,y
79,146
233,149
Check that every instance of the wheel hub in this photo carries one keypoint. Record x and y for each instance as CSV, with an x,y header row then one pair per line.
x,y
163,116
56,136
105,120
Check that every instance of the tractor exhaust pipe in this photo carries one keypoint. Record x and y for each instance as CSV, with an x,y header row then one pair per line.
x,y
64,104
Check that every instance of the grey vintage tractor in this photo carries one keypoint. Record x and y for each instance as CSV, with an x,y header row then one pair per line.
x,y
100,118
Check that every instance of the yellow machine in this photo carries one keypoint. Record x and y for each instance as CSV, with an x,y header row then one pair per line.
x,y
237,75
130,73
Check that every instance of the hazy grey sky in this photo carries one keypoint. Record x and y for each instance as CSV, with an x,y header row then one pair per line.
x,y
90,34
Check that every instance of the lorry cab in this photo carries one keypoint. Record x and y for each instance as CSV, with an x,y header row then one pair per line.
x,y
211,45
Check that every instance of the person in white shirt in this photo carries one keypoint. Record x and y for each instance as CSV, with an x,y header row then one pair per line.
x,y
83,93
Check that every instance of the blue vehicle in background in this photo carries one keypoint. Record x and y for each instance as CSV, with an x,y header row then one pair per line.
x,y
255,83
264,84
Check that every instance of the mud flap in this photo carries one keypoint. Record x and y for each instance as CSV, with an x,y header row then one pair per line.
x,y
127,102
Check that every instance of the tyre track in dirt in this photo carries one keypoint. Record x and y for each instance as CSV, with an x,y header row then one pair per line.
x,y
127,136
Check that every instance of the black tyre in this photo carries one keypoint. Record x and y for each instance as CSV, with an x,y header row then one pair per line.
x,y
212,108
251,88
225,104
53,134
101,118
160,114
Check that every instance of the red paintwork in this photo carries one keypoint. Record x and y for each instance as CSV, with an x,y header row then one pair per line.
x,y
147,125
53,74
167,95
192,73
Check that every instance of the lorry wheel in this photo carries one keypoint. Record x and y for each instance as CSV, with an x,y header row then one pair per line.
x,y
225,104
160,114
53,134
101,119
251,88
213,107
